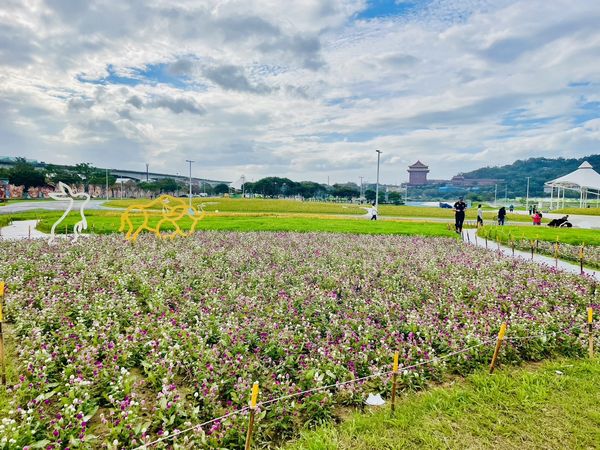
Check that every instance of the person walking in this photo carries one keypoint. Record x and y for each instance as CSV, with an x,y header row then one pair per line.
x,y
459,214
479,216
501,215
537,218
373,211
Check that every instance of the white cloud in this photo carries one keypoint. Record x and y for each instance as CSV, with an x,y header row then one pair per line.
x,y
299,89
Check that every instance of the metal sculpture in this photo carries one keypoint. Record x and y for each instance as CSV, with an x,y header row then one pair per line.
x,y
173,210
65,192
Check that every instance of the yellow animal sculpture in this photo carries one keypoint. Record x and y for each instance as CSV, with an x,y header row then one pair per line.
x,y
173,210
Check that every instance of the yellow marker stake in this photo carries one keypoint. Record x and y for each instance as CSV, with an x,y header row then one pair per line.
x,y
498,344
394,376
1,288
590,312
254,398
253,401
2,364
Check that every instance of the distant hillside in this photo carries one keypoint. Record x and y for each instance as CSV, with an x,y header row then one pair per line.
x,y
539,169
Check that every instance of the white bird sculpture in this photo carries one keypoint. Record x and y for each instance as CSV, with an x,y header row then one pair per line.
x,y
65,192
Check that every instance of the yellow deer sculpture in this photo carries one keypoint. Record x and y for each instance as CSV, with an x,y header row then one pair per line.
x,y
173,210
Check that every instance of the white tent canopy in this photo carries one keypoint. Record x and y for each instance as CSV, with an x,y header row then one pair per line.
x,y
584,180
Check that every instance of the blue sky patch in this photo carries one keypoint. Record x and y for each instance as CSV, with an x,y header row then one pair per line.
x,y
587,111
150,74
518,118
387,8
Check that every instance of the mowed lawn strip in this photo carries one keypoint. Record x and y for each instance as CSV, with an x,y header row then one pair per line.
x,y
579,211
554,405
308,207
574,236
102,222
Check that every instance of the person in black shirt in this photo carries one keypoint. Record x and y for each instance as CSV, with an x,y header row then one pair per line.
x,y
501,215
459,215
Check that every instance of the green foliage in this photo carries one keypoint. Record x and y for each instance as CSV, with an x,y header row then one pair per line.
x,y
552,406
25,174
221,188
539,169
347,190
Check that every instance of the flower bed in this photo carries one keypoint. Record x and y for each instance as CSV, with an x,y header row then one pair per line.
x,y
119,344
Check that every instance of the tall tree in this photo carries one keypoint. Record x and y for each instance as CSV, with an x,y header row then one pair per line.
x,y
221,188
25,174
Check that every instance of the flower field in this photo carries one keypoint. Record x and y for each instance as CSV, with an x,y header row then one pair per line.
x,y
117,345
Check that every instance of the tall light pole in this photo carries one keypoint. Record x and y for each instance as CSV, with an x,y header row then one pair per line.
x,y
506,194
106,184
495,193
190,161
527,198
147,174
377,185
361,187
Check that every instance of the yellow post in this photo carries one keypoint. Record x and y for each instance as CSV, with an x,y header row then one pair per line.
x,y
532,248
498,344
394,376
2,363
590,312
253,401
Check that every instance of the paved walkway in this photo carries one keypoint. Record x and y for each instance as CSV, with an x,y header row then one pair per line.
x,y
50,205
470,236
578,220
21,229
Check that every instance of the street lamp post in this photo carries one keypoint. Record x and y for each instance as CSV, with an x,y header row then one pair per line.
x,y
190,161
495,193
377,185
106,184
361,188
527,198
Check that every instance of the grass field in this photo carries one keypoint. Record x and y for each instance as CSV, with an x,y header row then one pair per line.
x,y
531,407
241,205
105,222
573,236
581,211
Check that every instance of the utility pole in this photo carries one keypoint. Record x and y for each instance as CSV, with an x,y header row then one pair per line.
x,y
377,185
361,187
147,174
190,161
106,184
527,198
506,194
495,193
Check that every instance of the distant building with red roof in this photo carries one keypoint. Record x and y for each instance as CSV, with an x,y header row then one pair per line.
x,y
417,174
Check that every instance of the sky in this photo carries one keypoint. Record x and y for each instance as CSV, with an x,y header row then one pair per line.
x,y
306,89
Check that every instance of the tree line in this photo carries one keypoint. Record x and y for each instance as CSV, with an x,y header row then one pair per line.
x,y
23,173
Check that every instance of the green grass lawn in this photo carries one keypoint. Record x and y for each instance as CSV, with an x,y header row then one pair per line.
x,y
574,236
532,407
581,211
109,222
245,205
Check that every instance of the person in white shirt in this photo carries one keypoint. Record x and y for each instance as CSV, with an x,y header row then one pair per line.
x,y
479,216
